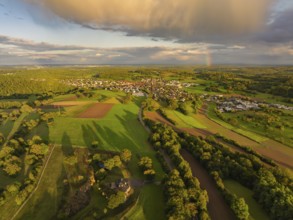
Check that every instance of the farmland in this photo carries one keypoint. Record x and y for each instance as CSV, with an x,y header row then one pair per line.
x,y
142,143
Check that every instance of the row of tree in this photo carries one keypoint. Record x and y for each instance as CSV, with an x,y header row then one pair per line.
x,y
185,198
271,186
34,151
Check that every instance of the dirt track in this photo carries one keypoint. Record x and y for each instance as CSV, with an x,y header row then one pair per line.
x,y
217,207
98,110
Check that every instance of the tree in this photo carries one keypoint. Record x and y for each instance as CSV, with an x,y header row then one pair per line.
x,y
13,189
26,109
97,157
39,149
125,155
95,144
6,151
145,163
2,138
150,174
35,140
116,199
12,169
117,161
71,160
240,208
109,164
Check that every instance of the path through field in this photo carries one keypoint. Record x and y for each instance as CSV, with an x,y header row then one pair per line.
x,y
217,207
37,186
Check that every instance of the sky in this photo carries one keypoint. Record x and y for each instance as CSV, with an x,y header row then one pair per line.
x,y
196,32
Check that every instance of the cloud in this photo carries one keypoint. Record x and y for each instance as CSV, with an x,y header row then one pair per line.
x,y
183,20
31,45
280,30
20,51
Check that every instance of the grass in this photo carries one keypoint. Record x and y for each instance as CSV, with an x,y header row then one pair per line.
x,y
72,111
41,130
46,200
270,98
96,205
149,206
8,209
284,136
6,127
182,120
212,115
16,125
255,210
119,129
6,180
63,97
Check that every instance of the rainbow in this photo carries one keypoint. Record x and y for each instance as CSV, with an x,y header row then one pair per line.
x,y
208,58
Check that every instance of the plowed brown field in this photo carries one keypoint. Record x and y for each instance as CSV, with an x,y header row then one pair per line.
x,y
98,110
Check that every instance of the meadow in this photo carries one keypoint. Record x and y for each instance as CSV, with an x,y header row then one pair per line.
x,y
255,210
76,132
83,116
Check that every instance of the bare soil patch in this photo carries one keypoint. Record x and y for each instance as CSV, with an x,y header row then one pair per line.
x,y
217,207
71,98
155,116
98,110
69,103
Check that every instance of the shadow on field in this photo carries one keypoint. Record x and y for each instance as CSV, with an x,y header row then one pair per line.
x,y
6,127
89,135
66,145
138,100
117,141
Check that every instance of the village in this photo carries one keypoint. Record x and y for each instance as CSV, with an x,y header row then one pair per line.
x,y
240,103
158,88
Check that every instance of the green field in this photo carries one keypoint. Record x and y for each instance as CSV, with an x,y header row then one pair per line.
x,y
82,131
6,127
184,121
16,125
149,205
253,136
119,129
128,132
47,199
284,136
255,210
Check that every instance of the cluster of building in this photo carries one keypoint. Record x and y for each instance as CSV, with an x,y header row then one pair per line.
x,y
236,104
240,103
284,107
157,87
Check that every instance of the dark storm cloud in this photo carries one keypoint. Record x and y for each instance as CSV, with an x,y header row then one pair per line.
x,y
280,30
